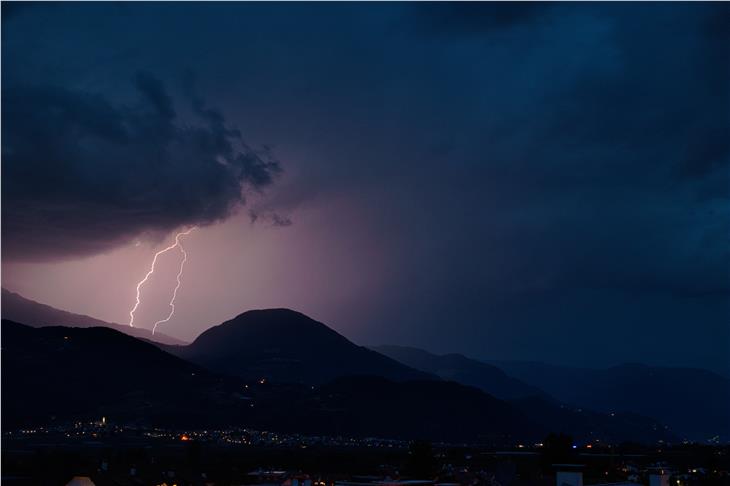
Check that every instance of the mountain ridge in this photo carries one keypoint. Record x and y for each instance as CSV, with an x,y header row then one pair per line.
x,y
47,378
288,346
677,396
285,346
54,371
459,368
17,308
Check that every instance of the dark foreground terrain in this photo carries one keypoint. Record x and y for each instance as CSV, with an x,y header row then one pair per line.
x,y
56,374
274,397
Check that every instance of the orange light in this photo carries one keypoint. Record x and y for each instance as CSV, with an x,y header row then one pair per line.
x,y
184,437
589,446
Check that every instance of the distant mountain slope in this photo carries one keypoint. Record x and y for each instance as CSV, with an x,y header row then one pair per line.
x,y
286,346
694,402
461,369
17,308
57,374
543,410
584,424
64,372
373,406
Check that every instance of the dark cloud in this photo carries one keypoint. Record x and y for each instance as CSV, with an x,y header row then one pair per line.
x,y
155,93
275,219
474,18
11,9
281,221
544,176
82,175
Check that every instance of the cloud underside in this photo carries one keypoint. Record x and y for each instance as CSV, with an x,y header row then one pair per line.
x,y
82,175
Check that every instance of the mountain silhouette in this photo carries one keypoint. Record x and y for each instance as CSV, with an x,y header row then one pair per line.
x,y
55,373
286,346
695,403
459,368
587,425
374,406
17,308
541,408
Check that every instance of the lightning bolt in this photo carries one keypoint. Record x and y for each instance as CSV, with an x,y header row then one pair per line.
x,y
177,244
174,293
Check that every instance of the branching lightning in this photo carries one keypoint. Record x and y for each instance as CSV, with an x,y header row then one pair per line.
x,y
177,244
174,293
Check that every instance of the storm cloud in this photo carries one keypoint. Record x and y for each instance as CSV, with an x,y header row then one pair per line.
x,y
82,175
517,180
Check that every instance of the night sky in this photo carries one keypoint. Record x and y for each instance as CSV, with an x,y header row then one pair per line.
x,y
510,181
